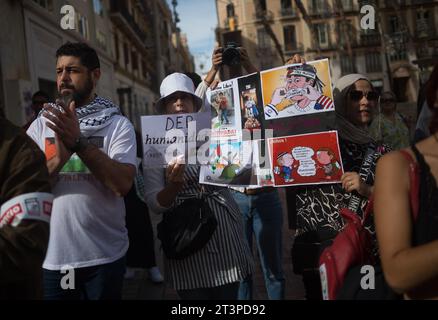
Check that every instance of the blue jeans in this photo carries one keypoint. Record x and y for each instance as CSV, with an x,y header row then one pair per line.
x,y
102,282
224,117
225,292
263,217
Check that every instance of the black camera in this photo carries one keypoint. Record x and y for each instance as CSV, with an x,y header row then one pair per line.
x,y
231,54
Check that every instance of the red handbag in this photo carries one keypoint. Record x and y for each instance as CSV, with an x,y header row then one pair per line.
x,y
353,245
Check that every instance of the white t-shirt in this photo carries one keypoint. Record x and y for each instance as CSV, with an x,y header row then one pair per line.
x,y
87,226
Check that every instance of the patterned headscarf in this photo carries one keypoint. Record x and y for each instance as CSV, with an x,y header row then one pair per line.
x,y
346,129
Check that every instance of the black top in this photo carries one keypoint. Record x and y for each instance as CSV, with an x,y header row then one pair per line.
x,y
426,225
318,217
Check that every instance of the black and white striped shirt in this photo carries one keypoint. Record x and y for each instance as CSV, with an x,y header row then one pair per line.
x,y
226,258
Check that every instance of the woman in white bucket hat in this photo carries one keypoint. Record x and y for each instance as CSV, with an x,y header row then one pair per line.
x,y
178,86
215,271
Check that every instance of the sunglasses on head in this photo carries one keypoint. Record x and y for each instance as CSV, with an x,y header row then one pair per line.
x,y
357,95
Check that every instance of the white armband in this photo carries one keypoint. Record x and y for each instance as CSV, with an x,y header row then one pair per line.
x,y
30,206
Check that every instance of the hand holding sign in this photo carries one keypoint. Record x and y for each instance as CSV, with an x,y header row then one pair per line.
x,y
175,171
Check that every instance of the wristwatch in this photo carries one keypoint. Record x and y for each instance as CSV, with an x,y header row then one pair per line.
x,y
80,144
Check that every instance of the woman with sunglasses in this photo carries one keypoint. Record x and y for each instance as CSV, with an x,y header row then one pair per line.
x,y
409,245
389,127
318,218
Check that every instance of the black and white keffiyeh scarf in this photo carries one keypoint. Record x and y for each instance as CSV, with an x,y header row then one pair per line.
x,y
95,115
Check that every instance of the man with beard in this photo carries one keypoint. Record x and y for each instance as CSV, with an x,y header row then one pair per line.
x,y
91,156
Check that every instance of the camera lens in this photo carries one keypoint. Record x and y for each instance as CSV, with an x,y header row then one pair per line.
x,y
231,55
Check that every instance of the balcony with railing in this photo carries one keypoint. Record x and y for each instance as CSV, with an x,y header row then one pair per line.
x,y
319,9
369,40
291,48
287,13
263,15
120,15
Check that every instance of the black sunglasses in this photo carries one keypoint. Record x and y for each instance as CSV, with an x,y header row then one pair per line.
x,y
357,95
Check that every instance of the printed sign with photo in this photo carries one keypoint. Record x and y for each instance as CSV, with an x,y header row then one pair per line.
x,y
306,159
251,106
225,111
230,164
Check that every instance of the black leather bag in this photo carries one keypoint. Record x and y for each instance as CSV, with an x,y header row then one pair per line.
x,y
187,228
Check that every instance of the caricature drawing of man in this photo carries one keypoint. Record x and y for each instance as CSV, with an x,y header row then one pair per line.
x,y
302,93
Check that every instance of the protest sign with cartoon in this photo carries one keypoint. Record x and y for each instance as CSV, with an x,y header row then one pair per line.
x,y
306,159
297,90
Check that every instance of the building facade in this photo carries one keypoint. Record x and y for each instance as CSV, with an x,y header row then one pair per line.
x,y
126,35
397,54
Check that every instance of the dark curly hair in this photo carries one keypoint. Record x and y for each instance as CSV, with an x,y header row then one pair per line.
x,y
431,96
83,51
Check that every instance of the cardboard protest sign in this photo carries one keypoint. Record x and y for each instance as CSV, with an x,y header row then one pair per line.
x,y
306,159
167,136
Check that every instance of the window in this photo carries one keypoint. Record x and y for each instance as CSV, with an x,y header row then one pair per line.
x,y
398,55
46,4
263,39
373,62
393,24
322,34
290,41
286,4
98,8
423,23
83,25
144,70
262,4
347,65
126,54
116,45
318,6
347,5
230,10
286,8
348,31
101,39
134,60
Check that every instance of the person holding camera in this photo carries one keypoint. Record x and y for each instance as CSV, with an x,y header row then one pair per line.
x,y
238,56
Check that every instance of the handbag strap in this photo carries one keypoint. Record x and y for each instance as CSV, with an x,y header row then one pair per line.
x,y
414,189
